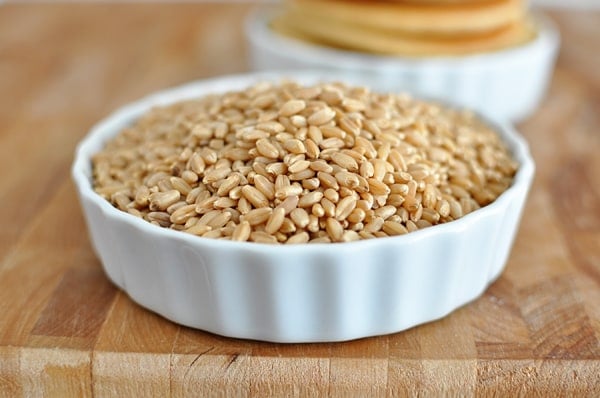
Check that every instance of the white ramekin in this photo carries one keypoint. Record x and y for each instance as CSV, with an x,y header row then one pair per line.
x,y
507,84
305,292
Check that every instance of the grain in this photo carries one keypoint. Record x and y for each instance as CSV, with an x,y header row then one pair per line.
x,y
198,229
299,166
321,116
228,184
289,190
266,187
283,163
377,187
219,220
241,232
310,199
347,179
345,161
275,220
254,196
292,107
162,200
215,175
394,228
294,146
289,204
182,214
328,207
300,217
262,237
345,207
334,229
300,237
267,149
258,216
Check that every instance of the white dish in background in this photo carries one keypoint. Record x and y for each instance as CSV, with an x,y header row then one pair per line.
x,y
507,84
305,292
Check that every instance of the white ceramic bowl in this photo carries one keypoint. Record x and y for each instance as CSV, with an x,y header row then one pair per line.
x,y
507,84
297,293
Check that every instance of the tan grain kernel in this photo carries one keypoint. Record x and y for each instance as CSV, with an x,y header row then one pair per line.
x,y
213,234
317,210
224,203
350,236
197,164
275,169
321,165
302,175
300,237
310,199
266,187
323,239
349,125
321,117
377,187
289,204
241,233
162,200
385,212
334,229
182,214
215,175
374,225
345,207
345,161
327,180
300,217
254,196
267,149
379,169
219,220
332,195
423,224
393,228
294,145
243,205
299,166
347,179
262,237
198,229
357,215
271,127
311,183
258,216
430,215
275,220
332,143
290,190
287,227
228,184
292,107
332,131
328,207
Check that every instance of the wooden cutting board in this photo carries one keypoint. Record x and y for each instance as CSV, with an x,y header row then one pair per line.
x,y
66,331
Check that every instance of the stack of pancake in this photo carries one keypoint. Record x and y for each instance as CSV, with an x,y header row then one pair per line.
x,y
408,27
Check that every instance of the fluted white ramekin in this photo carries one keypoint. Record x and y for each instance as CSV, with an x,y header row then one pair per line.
x,y
304,292
507,84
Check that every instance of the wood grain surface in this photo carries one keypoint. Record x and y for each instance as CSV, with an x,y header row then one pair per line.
x,y
65,330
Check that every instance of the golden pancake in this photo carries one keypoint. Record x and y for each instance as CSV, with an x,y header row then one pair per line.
x,y
432,19
334,33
